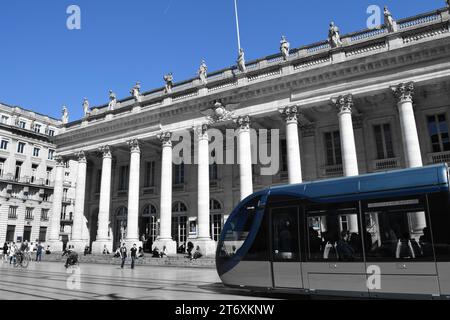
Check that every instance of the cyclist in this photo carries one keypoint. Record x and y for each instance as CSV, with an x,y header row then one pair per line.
x,y
24,247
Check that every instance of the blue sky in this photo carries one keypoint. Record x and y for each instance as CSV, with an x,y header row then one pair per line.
x,y
43,65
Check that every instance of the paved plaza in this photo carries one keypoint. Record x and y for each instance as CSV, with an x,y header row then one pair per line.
x,y
48,281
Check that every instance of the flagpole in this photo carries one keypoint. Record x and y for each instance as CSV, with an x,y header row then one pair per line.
x,y
237,25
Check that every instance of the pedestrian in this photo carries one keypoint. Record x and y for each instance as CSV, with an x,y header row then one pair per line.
x,y
133,255
163,252
123,254
5,252
12,252
39,252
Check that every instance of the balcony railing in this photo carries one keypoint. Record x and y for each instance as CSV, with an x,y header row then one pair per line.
x,y
439,157
27,180
333,170
386,164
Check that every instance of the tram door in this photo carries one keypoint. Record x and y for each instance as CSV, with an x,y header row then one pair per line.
x,y
285,247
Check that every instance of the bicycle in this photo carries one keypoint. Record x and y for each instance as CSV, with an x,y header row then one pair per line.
x,y
22,259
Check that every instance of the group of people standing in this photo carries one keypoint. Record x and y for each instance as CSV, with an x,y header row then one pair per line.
x,y
11,249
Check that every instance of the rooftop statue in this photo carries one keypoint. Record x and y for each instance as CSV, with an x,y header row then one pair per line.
x,y
86,107
65,115
333,36
112,100
390,23
136,91
241,60
448,4
168,78
202,72
284,47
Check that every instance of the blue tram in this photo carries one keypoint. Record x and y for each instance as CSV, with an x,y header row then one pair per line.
x,y
376,235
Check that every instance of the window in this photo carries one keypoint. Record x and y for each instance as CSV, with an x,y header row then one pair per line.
x,y
333,232
438,130
4,119
22,124
42,234
12,212
44,215
18,170
383,141
397,229
238,228
37,128
2,166
216,226
51,132
48,175
29,214
123,178
179,174
36,152
283,156
34,168
51,154
213,174
65,191
179,207
439,204
149,210
333,148
45,197
10,231
4,144
149,174
20,147
214,205
98,181
285,234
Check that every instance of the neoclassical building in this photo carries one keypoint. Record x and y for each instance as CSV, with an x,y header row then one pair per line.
x,y
357,103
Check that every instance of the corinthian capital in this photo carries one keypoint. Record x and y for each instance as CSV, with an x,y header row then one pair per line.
x,y
343,103
134,145
166,139
290,113
202,131
105,151
81,156
243,122
404,91
60,161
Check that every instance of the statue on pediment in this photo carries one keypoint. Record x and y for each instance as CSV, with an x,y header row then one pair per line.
x,y
389,21
168,78
284,47
65,115
334,36
241,60
86,107
202,72
112,100
136,91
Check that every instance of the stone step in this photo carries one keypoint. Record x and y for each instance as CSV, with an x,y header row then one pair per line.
x,y
173,261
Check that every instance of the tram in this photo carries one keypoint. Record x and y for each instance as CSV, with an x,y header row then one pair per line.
x,y
381,235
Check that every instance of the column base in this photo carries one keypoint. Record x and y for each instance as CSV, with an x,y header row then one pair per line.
x,y
207,246
99,246
170,245
55,246
78,246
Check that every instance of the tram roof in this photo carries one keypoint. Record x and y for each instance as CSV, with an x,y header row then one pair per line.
x,y
393,183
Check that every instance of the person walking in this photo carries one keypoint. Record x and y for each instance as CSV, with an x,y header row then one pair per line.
x,y
12,252
123,254
39,249
133,255
5,252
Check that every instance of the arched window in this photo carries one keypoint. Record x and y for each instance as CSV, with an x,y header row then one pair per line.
x,y
179,207
149,210
122,212
214,205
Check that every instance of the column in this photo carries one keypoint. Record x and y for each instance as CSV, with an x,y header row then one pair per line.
x,y
165,236
104,204
245,156
411,147
344,105
80,190
292,144
132,236
55,223
204,241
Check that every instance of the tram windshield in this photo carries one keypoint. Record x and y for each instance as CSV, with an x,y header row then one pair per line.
x,y
237,229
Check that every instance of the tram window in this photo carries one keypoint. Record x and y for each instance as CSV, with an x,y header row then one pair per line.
x,y
237,229
333,233
439,204
285,234
397,229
